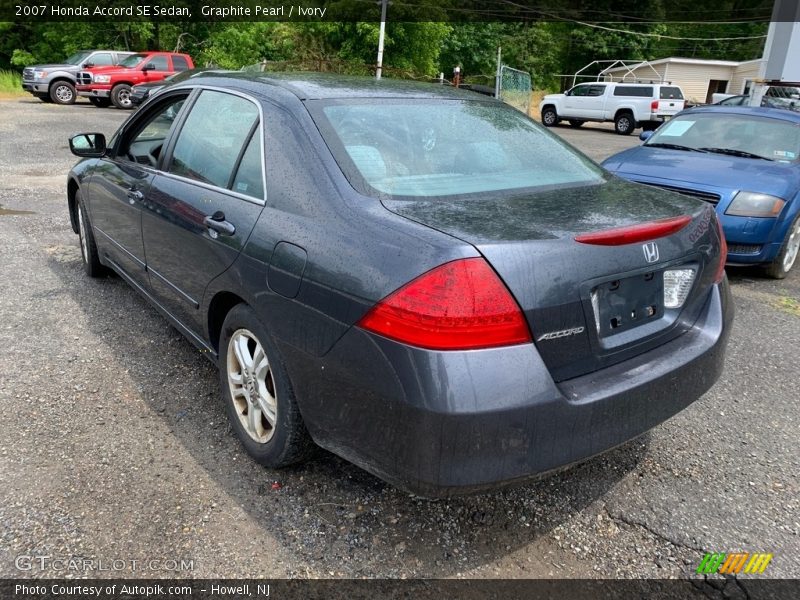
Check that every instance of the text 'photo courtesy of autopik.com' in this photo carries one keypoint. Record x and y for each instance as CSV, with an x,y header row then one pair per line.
x,y
399,298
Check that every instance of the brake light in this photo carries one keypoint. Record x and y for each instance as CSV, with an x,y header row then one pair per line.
x,y
723,254
635,233
654,105
461,305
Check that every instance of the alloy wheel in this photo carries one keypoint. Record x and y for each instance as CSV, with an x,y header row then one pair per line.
x,y
792,247
252,385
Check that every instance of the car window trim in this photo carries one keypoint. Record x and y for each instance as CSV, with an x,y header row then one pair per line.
x,y
245,146
166,156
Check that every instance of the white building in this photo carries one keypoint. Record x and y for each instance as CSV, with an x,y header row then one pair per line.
x,y
698,78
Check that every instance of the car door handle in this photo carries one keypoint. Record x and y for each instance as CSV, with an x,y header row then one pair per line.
x,y
135,196
218,224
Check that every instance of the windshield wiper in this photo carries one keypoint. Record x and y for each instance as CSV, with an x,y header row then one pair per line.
x,y
732,152
675,147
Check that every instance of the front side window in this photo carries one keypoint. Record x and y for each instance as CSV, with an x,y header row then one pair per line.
x,y
210,143
440,148
145,142
133,60
77,58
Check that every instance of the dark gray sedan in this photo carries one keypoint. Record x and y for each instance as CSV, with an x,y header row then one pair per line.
x,y
419,279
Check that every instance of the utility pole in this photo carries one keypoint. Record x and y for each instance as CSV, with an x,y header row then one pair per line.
x,y
384,5
499,72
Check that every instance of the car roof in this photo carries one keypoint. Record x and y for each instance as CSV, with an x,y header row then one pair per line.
x,y
759,111
320,86
629,83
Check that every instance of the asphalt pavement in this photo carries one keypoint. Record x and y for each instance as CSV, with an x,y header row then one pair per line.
x,y
114,444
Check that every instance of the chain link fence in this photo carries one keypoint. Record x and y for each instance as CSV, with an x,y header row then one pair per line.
x,y
515,88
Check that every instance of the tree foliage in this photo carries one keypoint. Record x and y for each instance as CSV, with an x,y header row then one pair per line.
x,y
415,49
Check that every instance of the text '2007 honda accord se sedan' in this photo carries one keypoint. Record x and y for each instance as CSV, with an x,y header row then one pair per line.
x,y
419,279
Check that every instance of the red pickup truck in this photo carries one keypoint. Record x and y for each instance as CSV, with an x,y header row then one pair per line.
x,y
104,85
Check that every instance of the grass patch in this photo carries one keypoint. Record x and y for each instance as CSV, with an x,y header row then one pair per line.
x,y
789,305
11,83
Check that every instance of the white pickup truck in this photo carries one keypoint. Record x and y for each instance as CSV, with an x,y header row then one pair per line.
x,y
628,105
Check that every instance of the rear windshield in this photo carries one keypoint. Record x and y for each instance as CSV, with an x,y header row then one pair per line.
x,y
671,93
634,90
441,148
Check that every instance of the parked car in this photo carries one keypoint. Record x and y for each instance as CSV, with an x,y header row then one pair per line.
x,y
56,82
107,85
420,279
767,101
628,105
743,161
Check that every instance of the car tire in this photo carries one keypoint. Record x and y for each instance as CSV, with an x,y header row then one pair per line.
x,y
549,116
257,393
100,102
62,92
576,123
89,253
787,255
121,96
624,123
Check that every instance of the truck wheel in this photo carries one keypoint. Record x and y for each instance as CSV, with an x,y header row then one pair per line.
x,y
62,92
121,96
100,102
624,123
549,116
576,123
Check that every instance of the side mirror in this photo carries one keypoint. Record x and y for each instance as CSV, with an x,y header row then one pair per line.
x,y
645,135
88,145
149,67
88,65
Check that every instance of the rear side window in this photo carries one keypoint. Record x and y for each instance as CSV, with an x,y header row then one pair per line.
x,y
640,91
211,141
179,63
671,93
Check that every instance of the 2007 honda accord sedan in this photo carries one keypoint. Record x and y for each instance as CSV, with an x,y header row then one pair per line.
x,y
419,279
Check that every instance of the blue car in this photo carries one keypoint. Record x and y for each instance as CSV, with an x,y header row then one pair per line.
x,y
745,161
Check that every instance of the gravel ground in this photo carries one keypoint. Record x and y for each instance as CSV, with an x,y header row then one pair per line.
x,y
114,444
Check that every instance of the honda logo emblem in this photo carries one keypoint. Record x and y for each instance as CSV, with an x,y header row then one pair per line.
x,y
650,252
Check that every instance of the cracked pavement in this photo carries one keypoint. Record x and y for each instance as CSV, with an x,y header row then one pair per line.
x,y
114,443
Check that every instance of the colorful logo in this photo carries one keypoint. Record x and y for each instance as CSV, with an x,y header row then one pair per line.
x,y
741,562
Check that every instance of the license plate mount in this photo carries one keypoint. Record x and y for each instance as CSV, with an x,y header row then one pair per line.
x,y
626,303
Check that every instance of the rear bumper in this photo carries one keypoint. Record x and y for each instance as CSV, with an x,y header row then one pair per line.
x,y
445,423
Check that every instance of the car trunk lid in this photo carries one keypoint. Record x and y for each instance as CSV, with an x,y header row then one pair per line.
x,y
570,291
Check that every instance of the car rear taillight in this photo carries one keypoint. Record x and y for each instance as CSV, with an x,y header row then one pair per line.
x,y
654,105
461,305
635,233
723,254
